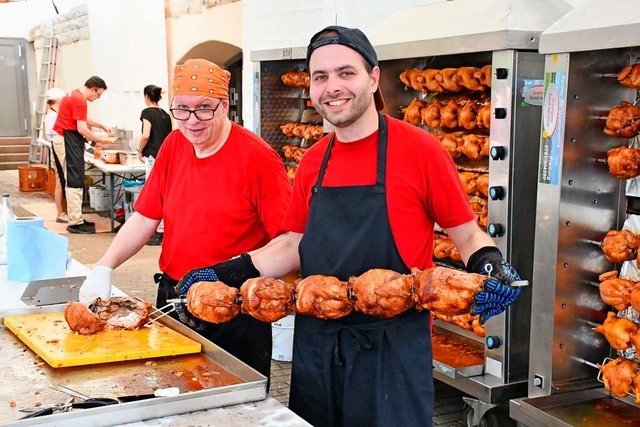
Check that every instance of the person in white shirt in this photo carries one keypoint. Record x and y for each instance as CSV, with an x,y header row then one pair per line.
x,y
54,95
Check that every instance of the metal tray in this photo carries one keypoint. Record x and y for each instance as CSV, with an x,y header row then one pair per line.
x,y
210,379
456,356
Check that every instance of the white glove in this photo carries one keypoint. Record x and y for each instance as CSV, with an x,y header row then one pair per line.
x,y
96,285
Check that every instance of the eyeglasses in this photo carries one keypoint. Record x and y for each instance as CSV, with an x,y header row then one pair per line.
x,y
202,114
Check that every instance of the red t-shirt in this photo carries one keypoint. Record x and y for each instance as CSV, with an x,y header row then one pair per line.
x,y
73,107
422,185
217,207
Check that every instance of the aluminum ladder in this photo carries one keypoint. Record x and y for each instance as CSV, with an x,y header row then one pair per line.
x,y
46,80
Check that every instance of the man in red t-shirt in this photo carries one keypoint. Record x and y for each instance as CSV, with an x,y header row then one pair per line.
x,y
73,128
367,196
221,190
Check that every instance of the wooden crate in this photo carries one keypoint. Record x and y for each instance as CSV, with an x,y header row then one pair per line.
x,y
32,178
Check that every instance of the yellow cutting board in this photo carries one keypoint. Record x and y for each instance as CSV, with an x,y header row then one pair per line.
x,y
51,338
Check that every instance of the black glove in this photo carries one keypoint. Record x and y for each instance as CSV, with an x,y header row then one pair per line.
x,y
232,273
497,293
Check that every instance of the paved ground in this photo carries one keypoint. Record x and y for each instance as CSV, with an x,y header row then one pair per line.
x,y
134,277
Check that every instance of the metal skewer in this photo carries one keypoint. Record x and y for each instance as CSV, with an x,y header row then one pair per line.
x,y
586,362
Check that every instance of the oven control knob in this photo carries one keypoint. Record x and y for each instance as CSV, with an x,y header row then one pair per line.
x,y
493,342
495,230
501,73
497,152
496,193
500,113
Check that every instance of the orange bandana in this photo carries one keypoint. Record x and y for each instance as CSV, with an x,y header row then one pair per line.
x,y
201,77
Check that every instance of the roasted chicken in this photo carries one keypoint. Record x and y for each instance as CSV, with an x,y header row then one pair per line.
x,y
452,142
383,293
413,112
324,297
465,321
308,131
296,79
431,114
213,302
630,76
634,299
615,291
618,375
468,115
449,80
623,121
484,116
620,246
470,78
82,320
468,180
617,331
267,299
484,74
449,115
444,248
481,209
482,184
446,290
624,162
122,312
414,79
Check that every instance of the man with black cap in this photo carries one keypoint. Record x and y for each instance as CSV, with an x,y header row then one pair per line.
x,y
367,196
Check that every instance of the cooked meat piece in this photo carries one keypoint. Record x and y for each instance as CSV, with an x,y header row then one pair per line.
x,y
296,79
630,76
122,312
414,79
634,299
288,151
291,173
449,115
468,115
623,121
324,297
481,209
482,184
431,115
618,375
484,116
313,132
442,246
267,299
624,162
484,74
455,254
470,78
620,246
297,155
82,320
451,142
213,302
413,112
616,292
382,293
449,79
431,80
298,130
478,328
473,146
446,290
617,331
287,129
469,180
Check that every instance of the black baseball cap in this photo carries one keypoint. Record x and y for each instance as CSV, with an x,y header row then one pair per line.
x,y
352,38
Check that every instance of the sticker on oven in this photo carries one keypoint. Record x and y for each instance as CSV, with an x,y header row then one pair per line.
x,y
532,92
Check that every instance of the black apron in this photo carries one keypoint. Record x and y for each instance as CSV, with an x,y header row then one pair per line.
x,y
74,158
358,370
244,337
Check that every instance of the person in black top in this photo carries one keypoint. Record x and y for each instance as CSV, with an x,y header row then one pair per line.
x,y
156,125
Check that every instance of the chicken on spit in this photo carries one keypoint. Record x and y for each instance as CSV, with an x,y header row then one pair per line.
x,y
618,375
324,297
618,331
615,291
624,162
296,79
383,293
446,290
623,121
267,299
413,111
414,79
470,78
213,302
452,142
630,76
620,246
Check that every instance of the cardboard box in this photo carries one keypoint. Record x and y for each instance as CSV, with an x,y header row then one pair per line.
x,y
32,178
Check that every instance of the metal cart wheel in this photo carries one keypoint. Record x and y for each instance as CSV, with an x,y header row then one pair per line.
x,y
492,418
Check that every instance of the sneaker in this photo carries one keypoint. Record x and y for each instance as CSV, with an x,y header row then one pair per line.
x,y
156,239
81,229
63,218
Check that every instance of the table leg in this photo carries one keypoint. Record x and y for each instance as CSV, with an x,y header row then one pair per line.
x,y
112,196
